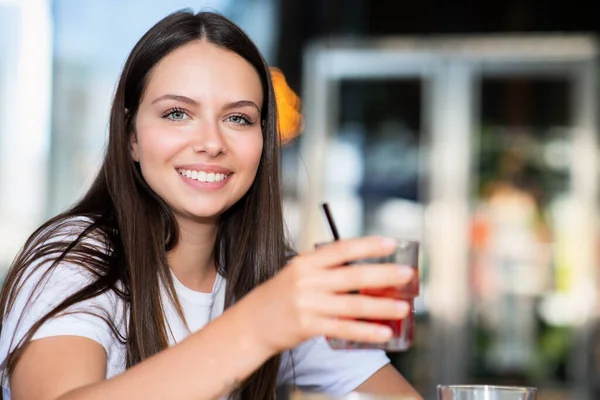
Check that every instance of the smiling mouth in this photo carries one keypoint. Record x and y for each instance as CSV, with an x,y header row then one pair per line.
x,y
203,176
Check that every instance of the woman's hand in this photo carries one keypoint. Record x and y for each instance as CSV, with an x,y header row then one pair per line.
x,y
309,297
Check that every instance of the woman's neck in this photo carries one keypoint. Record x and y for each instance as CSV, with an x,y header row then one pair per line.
x,y
192,260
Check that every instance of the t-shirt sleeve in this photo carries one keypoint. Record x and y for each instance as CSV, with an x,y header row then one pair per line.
x,y
41,291
315,366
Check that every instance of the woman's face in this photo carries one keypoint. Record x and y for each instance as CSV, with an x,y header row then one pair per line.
x,y
198,136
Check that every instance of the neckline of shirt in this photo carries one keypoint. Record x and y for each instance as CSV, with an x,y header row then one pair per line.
x,y
193,296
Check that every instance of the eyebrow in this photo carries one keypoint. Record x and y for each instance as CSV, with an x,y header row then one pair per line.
x,y
190,101
242,103
176,97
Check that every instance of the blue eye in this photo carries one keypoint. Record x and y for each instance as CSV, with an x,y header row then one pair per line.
x,y
175,114
240,119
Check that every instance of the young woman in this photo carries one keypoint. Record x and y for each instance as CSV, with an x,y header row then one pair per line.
x,y
169,278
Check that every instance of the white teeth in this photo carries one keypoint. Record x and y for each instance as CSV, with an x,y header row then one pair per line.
x,y
202,176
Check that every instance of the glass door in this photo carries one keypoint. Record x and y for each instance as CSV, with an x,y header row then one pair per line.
x,y
502,145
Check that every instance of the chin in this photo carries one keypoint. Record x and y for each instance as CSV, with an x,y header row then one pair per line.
x,y
202,211
207,214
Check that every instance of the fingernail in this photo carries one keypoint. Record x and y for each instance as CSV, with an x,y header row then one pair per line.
x,y
402,307
388,243
384,332
405,271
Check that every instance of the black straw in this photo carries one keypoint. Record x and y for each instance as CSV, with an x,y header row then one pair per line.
x,y
334,231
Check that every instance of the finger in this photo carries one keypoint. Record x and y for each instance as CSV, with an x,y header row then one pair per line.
x,y
359,331
344,251
372,276
357,306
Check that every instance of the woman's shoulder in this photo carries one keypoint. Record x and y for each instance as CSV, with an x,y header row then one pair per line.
x,y
72,248
64,257
70,228
68,235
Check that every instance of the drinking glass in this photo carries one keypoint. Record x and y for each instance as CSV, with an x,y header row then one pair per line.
x,y
485,392
406,253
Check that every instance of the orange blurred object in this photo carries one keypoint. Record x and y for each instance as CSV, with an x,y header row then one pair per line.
x,y
288,107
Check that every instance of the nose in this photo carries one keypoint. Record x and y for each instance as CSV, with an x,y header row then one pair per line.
x,y
209,139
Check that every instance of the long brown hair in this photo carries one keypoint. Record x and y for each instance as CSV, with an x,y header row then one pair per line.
x,y
122,212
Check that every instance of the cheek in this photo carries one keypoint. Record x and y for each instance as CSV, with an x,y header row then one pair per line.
x,y
251,152
157,145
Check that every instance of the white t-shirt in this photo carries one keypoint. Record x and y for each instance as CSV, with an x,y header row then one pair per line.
x,y
316,367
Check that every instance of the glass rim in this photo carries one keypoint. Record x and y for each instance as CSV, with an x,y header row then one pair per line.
x,y
298,395
525,389
396,239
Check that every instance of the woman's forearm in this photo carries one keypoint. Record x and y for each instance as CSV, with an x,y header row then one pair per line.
x,y
207,365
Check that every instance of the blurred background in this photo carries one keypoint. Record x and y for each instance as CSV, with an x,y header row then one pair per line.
x,y
469,126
